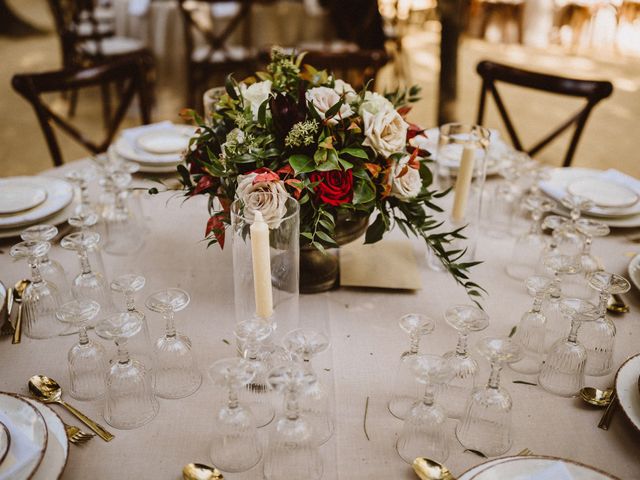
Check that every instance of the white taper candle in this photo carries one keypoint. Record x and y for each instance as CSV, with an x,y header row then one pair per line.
x,y
261,266
463,184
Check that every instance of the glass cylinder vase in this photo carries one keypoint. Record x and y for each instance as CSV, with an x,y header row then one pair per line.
x,y
266,254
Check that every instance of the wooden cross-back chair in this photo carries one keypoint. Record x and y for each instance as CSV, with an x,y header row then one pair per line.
x,y
591,90
130,72
217,56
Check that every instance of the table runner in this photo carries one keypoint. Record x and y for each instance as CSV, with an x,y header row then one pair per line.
x,y
366,345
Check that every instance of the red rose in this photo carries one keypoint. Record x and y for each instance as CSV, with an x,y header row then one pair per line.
x,y
335,187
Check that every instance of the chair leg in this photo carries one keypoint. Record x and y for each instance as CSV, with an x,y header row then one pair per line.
x,y
106,105
73,103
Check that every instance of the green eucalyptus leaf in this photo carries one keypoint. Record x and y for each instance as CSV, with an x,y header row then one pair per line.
x,y
355,152
301,163
230,87
363,191
376,230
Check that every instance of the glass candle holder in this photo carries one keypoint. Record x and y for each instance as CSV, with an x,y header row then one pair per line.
x,y
461,165
266,255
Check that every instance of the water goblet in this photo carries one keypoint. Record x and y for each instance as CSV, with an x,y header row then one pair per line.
x,y
465,319
599,336
563,370
41,299
124,236
89,283
423,432
292,451
528,247
486,426
51,270
86,360
176,373
80,177
251,335
139,344
235,446
315,404
130,402
590,229
406,389
576,204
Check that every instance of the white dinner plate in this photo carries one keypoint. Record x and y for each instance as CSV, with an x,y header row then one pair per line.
x,y
634,271
55,219
560,179
603,193
129,149
59,195
516,468
17,196
163,143
57,452
28,437
473,470
627,390
429,142
5,441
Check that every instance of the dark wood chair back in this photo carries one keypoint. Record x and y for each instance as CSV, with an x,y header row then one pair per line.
x,y
591,90
356,67
130,72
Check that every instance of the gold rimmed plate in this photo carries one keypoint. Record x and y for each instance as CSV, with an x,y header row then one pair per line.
x,y
628,390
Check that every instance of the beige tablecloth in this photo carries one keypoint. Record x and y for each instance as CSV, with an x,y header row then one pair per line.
x,y
366,344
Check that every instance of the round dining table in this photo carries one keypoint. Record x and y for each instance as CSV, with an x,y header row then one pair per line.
x,y
359,367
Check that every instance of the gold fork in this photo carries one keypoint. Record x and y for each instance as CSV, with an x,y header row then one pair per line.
x,y
77,436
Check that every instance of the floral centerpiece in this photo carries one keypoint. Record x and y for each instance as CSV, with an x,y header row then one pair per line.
x,y
341,153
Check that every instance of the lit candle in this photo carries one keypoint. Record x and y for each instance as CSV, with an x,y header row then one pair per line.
x,y
463,184
261,266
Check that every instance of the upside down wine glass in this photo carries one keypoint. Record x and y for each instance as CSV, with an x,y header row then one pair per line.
x,y
465,319
41,299
130,402
303,345
87,360
405,388
423,432
486,426
563,370
176,373
292,451
235,446
599,336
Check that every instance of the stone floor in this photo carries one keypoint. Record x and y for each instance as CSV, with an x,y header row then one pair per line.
x,y
610,138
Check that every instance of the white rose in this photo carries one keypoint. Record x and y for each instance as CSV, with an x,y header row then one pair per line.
x,y
342,88
385,132
407,185
256,94
375,103
268,197
323,98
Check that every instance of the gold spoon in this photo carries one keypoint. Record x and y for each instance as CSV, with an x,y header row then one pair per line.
x,y
18,296
596,397
616,304
47,390
199,471
428,469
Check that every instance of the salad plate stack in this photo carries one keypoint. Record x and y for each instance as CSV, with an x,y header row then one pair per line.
x,y
157,148
26,201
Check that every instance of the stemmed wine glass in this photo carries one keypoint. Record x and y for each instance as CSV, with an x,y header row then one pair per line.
x,y
88,283
423,432
315,405
124,237
405,389
139,344
130,402
528,247
563,370
80,177
599,336
588,262
176,374
486,426
465,319
531,330
41,299
235,446
87,359
292,451
250,335
51,270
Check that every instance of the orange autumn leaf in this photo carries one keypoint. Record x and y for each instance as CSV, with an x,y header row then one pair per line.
x,y
373,169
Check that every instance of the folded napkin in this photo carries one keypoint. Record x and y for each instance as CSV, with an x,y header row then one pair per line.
x,y
21,451
555,471
139,8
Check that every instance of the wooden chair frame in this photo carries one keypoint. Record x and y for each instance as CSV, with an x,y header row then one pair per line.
x,y
131,72
591,90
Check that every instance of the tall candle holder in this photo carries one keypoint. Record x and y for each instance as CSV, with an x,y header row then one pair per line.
x,y
461,166
266,254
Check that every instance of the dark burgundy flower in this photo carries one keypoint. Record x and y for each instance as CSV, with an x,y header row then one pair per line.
x,y
286,111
